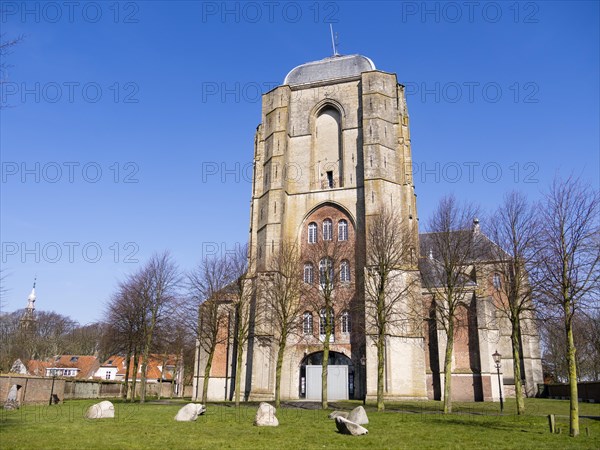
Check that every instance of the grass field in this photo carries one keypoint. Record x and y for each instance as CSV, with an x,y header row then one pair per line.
x,y
403,425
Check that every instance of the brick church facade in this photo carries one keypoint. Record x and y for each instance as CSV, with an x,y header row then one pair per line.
x,y
332,148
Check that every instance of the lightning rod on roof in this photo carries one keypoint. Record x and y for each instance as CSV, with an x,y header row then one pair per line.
x,y
333,41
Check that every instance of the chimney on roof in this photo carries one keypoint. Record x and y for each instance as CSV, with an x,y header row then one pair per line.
x,y
476,228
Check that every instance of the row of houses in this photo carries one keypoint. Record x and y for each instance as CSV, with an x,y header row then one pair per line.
x,y
166,368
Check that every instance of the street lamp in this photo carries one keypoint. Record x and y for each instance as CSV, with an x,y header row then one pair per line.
x,y
363,363
497,358
52,388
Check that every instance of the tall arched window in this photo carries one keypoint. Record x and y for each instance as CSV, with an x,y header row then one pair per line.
x,y
309,275
328,148
312,233
327,230
307,323
325,272
342,230
346,326
345,272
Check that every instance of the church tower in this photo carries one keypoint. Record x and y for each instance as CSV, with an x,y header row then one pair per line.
x,y
332,149
28,318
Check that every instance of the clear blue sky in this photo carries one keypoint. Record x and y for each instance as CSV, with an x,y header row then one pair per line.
x,y
163,94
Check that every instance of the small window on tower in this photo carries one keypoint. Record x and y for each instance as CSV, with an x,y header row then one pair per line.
x,y
330,178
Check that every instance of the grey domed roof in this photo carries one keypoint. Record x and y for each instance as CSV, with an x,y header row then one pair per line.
x,y
329,69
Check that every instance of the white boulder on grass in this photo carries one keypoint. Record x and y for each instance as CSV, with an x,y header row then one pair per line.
x,y
344,426
102,410
190,412
335,414
358,415
265,416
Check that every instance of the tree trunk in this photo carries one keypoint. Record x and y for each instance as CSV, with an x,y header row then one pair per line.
x,y
280,353
136,361
516,352
127,362
162,375
325,362
574,402
143,379
238,371
380,369
448,368
207,376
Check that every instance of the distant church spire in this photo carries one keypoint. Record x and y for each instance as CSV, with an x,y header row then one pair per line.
x,y
28,317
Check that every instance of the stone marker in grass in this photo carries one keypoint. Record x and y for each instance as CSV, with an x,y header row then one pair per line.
x,y
190,412
358,415
344,426
102,410
265,416
11,399
335,414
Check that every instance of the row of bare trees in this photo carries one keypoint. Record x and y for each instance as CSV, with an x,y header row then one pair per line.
x,y
141,316
51,334
547,257
219,291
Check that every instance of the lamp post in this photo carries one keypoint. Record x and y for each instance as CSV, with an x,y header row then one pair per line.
x,y
52,388
497,358
363,364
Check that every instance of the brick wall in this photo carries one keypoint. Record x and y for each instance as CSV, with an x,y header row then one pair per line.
x,y
37,390
586,391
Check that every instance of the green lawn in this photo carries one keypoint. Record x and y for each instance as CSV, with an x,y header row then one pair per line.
x,y
403,425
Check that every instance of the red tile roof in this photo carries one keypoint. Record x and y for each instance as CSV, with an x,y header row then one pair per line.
x,y
37,367
153,371
86,364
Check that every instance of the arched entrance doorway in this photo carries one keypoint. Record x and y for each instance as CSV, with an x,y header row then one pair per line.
x,y
340,377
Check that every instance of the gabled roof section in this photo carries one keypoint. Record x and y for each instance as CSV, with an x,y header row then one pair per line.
x,y
481,250
155,362
86,364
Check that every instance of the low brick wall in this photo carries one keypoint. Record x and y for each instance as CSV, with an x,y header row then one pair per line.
x,y
31,389
586,391
80,389
37,390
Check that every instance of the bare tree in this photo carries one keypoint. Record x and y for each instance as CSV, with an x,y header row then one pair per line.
x,y
568,275
446,271
515,229
241,293
330,295
390,280
206,308
6,48
124,317
158,290
586,336
281,292
3,288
